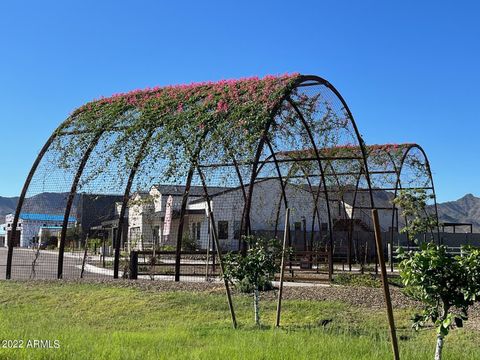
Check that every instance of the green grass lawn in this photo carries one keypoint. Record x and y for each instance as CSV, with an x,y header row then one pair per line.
x,y
98,321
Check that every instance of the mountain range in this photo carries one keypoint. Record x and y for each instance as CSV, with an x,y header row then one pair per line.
x,y
463,210
49,203
7,205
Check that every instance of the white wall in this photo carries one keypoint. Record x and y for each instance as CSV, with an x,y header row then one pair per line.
x,y
29,229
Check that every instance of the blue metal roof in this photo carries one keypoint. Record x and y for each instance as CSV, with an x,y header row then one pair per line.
x,y
45,217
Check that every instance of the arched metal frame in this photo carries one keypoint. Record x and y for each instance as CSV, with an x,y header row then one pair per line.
x,y
394,158
257,161
398,164
126,198
428,173
317,157
13,232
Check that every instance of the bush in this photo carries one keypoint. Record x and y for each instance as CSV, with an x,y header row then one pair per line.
x,y
94,244
189,244
447,286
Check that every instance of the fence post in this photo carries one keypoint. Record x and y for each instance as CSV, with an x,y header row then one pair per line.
x,y
133,265
390,255
208,258
84,257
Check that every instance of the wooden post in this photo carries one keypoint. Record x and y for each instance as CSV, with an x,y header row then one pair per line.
x,y
286,234
103,251
208,252
133,265
222,269
386,291
84,257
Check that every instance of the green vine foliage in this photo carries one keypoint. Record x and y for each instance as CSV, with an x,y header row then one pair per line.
x,y
445,284
185,124
167,131
413,205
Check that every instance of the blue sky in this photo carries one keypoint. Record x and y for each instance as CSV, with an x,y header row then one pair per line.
x,y
408,70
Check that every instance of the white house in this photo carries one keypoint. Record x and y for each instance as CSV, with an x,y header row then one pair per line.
x,y
147,213
3,235
31,226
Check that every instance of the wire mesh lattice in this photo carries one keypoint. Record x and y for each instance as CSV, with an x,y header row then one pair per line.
x,y
159,190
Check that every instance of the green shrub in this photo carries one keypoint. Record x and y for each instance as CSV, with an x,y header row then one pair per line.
x,y
445,284
189,244
167,248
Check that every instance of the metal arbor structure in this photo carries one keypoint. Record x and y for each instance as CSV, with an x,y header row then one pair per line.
x,y
213,148
392,168
397,167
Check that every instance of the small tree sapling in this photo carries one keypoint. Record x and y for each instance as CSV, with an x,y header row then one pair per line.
x,y
445,284
256,269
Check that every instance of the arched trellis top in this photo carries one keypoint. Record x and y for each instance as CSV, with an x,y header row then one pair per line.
x,y
388,162
197,103
235,113
391,167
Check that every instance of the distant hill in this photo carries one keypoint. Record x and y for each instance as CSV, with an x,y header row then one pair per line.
x,y
7,206
464,210
49,203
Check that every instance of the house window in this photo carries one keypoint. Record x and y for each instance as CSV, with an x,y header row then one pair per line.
x,y
196,228
134,235
223,230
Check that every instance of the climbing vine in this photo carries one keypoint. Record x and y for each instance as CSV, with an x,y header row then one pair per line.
x,y
186,124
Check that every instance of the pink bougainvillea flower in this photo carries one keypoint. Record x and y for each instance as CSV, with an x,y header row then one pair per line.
x,y
222,106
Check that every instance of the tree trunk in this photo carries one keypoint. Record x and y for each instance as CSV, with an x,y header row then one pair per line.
x,y
439,348
256,299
